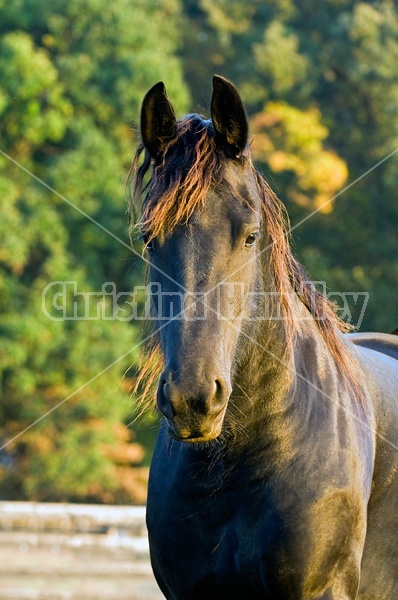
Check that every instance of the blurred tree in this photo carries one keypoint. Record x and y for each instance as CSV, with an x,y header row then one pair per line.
x,y
319,82
354,51
336,59
290,140
72,74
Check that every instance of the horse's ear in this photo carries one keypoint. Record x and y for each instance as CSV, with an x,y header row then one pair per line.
x,y
158,121
229,117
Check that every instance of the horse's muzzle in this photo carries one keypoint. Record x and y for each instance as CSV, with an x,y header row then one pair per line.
x,y
194,411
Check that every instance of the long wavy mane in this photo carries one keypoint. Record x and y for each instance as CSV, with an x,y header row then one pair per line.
x,y
175,188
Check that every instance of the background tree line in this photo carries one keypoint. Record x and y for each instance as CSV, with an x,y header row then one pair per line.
x,y
319,80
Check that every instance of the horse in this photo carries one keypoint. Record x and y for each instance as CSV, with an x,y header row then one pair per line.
x,y
274,470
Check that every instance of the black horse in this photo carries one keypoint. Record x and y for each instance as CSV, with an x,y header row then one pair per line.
x,y
274,473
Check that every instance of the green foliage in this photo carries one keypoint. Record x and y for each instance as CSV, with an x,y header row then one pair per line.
x,y
32,105
337,58
279,59
72,76
319,82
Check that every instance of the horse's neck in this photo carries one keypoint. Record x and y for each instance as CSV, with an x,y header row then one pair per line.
x,y
277,386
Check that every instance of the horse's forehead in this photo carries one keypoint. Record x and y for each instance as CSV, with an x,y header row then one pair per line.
x,y
220,211
232,199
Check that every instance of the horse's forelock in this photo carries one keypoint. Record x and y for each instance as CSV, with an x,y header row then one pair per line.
x,y
180,180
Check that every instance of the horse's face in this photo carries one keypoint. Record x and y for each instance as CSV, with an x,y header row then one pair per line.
x,y
201,273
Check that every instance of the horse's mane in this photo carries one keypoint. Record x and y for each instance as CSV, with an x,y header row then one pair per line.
x,y
177,186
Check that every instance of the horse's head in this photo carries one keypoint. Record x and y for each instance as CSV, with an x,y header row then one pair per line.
x,y
201,225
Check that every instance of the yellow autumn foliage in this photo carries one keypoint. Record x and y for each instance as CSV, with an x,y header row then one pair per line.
x,y
288,139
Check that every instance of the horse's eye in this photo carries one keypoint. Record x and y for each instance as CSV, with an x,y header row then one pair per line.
x,y
148,243
251,239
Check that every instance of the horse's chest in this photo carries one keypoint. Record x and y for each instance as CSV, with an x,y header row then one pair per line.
x,y
209,547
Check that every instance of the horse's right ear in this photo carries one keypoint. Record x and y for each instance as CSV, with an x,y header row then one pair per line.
x,y
158,121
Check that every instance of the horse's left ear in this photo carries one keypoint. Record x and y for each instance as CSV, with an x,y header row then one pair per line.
x,y
158,121
229,117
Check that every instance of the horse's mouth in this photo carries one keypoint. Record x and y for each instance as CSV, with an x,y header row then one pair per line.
x,y
196,434
193,438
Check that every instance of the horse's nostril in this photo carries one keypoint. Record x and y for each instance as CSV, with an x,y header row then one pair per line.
x,y
221,393
164,400
219,387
